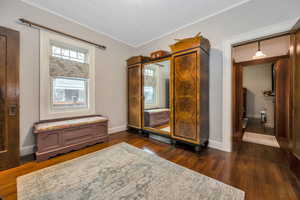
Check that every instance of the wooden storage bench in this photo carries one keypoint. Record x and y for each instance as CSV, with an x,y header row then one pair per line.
x,y
59,136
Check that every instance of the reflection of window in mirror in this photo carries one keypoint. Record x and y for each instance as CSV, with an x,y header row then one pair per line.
x,y
156,95
149,95
148,72
150,85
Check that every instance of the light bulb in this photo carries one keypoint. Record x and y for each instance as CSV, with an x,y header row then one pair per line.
x,y
259,54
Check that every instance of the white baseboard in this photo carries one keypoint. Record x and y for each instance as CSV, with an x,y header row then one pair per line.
x,y
27,150
117,129
216,145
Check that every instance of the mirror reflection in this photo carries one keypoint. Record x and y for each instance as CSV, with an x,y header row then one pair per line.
x,y
156,96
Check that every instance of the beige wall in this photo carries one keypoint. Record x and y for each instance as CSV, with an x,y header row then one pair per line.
x,y
273,47
257,79
110,68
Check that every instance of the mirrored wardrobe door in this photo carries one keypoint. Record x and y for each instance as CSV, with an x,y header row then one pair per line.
x,y
156,92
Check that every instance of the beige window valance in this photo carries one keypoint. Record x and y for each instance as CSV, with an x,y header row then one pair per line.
x,y
60,67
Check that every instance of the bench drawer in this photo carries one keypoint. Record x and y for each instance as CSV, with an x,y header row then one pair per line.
x,y
82,134
48,141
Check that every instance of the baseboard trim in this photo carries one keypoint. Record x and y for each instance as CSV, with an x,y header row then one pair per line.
x,y
117,129
27,150
216,145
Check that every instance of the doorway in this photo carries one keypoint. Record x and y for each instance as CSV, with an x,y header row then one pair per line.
x,y
9,98
259,99
262,100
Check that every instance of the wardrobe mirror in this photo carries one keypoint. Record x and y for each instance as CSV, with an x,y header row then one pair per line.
x,y
157,96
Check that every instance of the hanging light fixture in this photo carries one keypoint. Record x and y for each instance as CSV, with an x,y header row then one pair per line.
x,y
259,53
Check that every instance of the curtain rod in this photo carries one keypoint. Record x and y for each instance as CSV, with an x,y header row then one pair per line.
x,y
24,21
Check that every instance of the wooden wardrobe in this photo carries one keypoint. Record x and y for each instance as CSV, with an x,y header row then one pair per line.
x,y
189,91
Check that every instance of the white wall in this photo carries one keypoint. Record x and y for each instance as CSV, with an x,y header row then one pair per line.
x,y
243,19
257,79
110,68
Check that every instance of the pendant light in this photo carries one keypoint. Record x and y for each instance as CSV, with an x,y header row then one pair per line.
x,y
259,53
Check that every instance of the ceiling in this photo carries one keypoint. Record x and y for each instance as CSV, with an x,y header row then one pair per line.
x,y
136,22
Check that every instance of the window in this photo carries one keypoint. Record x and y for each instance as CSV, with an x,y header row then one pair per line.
x,y
67,77
149,95
69,93
68,54
148,72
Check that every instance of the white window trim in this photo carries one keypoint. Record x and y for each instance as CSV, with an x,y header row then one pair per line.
x,y
152,105
45,80
156,92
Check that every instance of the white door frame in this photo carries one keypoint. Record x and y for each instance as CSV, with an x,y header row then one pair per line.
x,y
227,73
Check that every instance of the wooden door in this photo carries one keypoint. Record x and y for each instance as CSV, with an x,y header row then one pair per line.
x,y
237,103
296,100
186,86
282,99
240,102
9,98
134,96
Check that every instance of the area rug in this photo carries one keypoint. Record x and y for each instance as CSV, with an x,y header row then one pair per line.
x,y
121,172
268,140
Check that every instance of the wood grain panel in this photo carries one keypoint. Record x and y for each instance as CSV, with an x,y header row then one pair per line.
x,y
203,98
185,96
2,91
282,88
134,96
296,100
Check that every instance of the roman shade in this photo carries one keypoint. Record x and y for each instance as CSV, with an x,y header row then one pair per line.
x,y
151,80
60,67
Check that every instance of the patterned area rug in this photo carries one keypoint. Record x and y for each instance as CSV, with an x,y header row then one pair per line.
x,y
121,172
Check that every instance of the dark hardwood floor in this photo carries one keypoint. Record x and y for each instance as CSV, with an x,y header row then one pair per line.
x,y
260,171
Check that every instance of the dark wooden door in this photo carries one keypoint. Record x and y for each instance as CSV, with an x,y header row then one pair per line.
x,y
296,100
240,101
282,99
134,96
186,108
9,98
238,106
